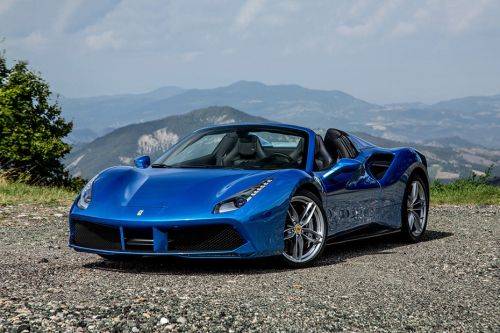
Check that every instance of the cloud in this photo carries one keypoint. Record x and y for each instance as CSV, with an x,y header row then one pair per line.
x,y
34,40
404,29
442,16
461,15
248,13
67,11
370,24
104,40
5,5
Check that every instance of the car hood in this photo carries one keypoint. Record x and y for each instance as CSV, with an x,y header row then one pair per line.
x,y
171,190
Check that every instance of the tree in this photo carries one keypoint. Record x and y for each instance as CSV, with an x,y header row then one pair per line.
x,y
31,127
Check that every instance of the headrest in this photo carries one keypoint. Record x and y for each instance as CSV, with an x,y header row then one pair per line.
x,y
332,134
321,156
247,145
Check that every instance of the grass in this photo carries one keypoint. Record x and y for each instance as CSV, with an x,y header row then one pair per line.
x,y
12,193
473,190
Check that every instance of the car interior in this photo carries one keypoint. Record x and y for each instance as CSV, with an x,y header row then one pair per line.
x,y
244,149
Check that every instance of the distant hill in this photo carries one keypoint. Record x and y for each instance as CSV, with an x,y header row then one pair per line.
x,y
121,146
97,114
152,138
471,105
286,103
475,119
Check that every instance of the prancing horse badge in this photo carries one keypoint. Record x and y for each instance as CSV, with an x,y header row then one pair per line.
x,y
139,213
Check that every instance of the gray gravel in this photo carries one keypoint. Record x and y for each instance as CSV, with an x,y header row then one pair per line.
x,y
449,282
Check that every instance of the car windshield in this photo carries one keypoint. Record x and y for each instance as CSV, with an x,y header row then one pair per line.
x,y
242,148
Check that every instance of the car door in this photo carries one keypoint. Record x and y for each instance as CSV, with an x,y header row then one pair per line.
x,y
352,194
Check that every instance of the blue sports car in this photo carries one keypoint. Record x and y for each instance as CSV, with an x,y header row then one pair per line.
x,y
252,190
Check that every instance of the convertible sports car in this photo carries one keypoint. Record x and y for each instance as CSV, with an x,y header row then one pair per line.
x,y
252,190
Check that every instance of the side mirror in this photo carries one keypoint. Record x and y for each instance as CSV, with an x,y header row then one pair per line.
x,y
142,162
344,165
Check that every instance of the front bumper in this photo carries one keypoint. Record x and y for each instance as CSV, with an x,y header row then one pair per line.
x,y
201,238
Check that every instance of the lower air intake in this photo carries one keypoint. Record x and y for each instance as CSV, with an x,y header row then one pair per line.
x,y
96,236
204,238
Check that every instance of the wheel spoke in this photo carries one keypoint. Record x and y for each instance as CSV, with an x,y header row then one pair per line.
x,y
414,192
298,249
411,221
289,233
307,230
417,223
311,239
308,214
292,214
417,204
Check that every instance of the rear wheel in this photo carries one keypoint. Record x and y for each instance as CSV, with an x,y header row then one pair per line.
x,y
305,230
415,208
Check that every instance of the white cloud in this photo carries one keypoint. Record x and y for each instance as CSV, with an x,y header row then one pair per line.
x,y
462,14
5,5
248,13
370,24
404,29
34,40
67,10
104,40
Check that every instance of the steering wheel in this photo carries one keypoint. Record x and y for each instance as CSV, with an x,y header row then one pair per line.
x,y
287,157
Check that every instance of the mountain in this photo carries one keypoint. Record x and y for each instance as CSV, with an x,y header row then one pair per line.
x,y
152,138
98,114
475,119
286,103
471,104
447,160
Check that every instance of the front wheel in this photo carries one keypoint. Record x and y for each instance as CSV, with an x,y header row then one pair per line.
x,y
415,207
305,230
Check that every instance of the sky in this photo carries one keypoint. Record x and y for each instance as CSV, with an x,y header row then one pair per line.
x,y
380,51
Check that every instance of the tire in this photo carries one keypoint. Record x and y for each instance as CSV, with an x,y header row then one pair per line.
x,y
304,235
414,211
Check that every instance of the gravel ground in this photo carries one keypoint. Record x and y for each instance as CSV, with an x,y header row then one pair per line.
x,y
449,282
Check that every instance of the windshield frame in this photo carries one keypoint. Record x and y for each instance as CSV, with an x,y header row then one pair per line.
x,y
232,128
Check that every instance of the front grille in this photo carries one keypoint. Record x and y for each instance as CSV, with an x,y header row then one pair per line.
x,y
138,239
96,236
204,238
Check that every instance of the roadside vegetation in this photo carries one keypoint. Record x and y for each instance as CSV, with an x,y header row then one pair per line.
x,y
472,190
14,193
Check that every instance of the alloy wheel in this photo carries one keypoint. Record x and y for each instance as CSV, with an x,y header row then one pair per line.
x,y
304,230
416,208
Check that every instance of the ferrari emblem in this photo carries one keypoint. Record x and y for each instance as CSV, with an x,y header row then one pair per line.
x,y
297,229
139,213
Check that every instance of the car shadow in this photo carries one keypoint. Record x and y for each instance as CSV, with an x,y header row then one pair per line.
x,y
332,255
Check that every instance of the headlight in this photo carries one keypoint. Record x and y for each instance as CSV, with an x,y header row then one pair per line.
x,y
240,199
86,194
